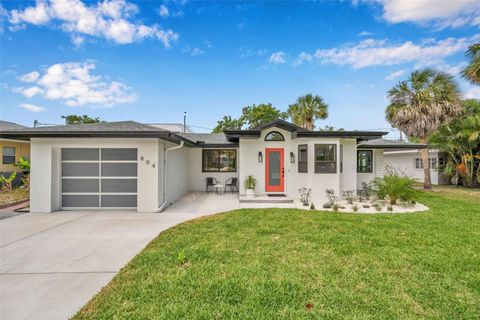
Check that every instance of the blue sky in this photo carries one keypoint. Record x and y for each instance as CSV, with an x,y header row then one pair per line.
x,y
151,60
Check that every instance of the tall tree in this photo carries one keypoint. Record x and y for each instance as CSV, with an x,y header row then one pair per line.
x,y
307,109
421,104
228,123
76,119
472,71
256,115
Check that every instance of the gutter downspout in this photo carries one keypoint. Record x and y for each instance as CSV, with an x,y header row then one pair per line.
x,y
163,205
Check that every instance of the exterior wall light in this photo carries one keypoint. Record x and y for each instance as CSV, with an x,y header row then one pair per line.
x,y
292,157
260,157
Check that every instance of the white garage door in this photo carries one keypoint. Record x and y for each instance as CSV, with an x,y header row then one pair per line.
x,y
99,178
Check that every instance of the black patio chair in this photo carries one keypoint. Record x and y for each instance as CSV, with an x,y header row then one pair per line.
x,y
232,183
210,183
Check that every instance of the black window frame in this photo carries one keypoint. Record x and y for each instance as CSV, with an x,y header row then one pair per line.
x,y
219,152
302,165
274,132
371,161
4,157
334,161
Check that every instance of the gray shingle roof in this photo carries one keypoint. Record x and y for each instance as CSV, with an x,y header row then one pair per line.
x,y
6,125
207,138
391,144
119,126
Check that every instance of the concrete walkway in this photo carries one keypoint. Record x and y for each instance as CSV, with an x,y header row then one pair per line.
x,y
53,263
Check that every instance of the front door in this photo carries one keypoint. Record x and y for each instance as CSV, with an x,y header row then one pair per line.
x,y
274,170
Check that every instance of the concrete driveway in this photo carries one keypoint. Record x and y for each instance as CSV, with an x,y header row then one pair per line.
x,y
53,263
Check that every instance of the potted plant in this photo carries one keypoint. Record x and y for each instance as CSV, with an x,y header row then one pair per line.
x,y
250,183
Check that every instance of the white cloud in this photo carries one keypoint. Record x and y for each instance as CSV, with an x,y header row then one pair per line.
x,y
75,85
365,33
109,19
163,11
441,14
32,107
395,75
302,57
77,40
372,52
472,93
277,58
30,77
197,51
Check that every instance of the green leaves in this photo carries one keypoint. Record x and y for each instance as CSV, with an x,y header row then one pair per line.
x,y
307,109
472,71
76,119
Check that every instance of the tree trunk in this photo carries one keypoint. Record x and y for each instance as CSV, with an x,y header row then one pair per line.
x,y
427,181
309,124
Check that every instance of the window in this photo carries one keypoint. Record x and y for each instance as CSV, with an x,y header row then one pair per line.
x,y
8,155
303,158
364,161
325,158
432,162
341,158
274,136
219,160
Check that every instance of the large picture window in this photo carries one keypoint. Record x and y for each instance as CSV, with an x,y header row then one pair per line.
x,y
219,160
364,161
432,162
303,158
325,158
8,155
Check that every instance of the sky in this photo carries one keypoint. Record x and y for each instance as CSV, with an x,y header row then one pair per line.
x,y
150,61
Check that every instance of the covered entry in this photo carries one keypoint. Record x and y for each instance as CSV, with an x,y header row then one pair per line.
x,y
98,178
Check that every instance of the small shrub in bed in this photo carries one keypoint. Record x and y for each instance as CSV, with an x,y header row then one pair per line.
x,y
366,206
389,208
335,207
394,186
355,208
312,206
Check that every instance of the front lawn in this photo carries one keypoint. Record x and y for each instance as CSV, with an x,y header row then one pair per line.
x,y
295,264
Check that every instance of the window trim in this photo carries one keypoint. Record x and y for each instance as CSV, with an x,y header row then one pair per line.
x,y
305,161
219,150
430,163
272,132
371,157
14,155
334,161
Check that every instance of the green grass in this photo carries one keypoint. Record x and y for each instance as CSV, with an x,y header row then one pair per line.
x,y
271,263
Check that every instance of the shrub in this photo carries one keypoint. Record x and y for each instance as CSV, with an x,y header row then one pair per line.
x,y
365,192
250,182
390,208
394,186
304,195
349,195
332,197
335,207
6,183
377,206
355,208
366,206
327,205
312,206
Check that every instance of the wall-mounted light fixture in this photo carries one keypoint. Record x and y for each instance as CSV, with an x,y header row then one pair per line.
x,y
292,157
260,156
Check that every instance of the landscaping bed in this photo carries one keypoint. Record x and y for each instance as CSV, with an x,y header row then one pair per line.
x,y
14,197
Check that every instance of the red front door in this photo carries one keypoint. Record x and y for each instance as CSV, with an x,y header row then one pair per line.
x,y
274,170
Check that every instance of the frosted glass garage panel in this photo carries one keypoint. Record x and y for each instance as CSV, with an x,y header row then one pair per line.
x,y
119,169
119,201
82,154
109,154
80,201
80,169
119,185
80,185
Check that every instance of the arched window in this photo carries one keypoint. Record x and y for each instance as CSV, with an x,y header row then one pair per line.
x,y
274,136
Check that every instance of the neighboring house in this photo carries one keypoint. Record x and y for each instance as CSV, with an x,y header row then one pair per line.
x,y
12,149
129,165
410,163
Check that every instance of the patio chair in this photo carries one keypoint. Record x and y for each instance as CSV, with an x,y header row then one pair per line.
x,y
232,183
210,183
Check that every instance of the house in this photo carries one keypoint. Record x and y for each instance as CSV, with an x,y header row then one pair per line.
x,y
410,162
12,149
129,165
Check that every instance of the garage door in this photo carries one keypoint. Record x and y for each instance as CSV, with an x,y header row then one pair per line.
x,y
99,178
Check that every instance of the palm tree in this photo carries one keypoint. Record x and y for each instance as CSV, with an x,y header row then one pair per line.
x,y
472,71
421,104
307,109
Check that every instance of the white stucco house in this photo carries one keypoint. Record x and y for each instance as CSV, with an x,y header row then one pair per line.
x,y
410,162
133,166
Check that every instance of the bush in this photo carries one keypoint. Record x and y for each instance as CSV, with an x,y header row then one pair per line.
x,y
394,186
355,208
312,206
389,208
250,182
335,207
327,205
349,195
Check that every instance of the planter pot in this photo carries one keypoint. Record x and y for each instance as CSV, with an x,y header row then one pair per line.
x,y
250,193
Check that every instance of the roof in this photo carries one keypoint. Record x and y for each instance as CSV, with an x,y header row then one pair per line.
x,y
104,129
172,127
299,132
391,144
6,125
209,139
